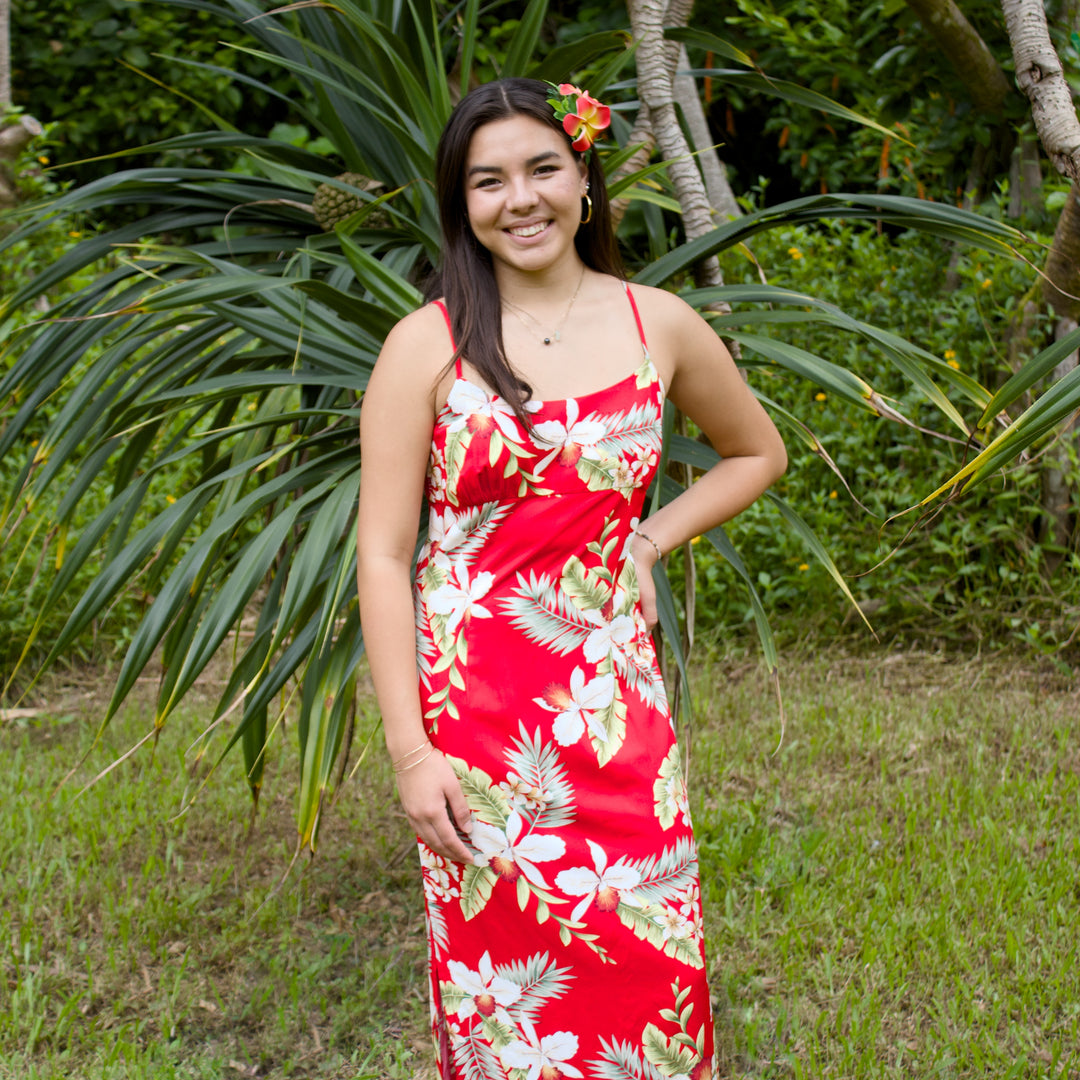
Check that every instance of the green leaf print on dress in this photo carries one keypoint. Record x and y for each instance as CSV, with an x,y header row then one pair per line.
x,y
670,800
661,1056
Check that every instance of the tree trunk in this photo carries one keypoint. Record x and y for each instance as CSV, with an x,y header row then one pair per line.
x,y
5,54
717,187
1025,176
12,141
643,138
657,59
713,172
966,51
1057,494
1061,286
1040,76
986,83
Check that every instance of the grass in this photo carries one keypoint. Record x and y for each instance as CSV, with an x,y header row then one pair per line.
x,y
894,893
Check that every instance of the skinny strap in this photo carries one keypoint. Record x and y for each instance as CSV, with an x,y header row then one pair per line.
x,y
637,317
450,330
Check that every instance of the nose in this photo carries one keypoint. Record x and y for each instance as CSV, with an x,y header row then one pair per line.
x,y
521,195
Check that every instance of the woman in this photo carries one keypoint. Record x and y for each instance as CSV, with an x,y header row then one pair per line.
x,y
523,710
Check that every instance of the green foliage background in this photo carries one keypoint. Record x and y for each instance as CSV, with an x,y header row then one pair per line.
x,y
179,451
78,65
877,59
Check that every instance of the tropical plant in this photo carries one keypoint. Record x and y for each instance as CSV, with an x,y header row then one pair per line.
x,y
97,70
231,339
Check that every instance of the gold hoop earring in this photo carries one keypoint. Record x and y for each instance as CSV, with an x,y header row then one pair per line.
x,y
588,217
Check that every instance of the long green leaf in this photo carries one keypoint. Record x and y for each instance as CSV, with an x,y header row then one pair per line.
x,y
523,44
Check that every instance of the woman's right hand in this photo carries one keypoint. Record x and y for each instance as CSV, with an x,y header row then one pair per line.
x,y
433,800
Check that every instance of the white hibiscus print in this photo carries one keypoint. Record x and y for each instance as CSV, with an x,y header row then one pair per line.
x,y
440,875
444,535
543,1057
509,856
437,482
572,440
478,410
490,993
606,884
608,636
577,706
460,600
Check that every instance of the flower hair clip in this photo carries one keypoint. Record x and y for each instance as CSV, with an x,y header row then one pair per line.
x,y
582,116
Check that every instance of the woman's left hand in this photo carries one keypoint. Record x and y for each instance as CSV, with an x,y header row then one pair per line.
x,y
644,556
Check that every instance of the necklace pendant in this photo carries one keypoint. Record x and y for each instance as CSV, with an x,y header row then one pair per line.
x,y
547,340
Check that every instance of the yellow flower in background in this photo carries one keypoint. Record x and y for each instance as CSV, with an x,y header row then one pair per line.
x,y
804,566
696,540
795,253
170,499
820,396
832,494
987,282
74,234
252,407
43,159
953,364
950,354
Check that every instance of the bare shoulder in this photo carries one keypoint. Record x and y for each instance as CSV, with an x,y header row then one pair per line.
x,y
663,308
414,356
676,333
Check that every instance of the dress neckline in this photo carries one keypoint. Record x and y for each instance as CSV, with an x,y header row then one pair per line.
x,y
542,404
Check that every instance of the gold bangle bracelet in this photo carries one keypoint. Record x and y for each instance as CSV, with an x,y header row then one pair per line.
x,y
656,546
414,750
406,768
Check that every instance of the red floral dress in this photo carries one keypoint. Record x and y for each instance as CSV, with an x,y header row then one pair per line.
x,y
572,946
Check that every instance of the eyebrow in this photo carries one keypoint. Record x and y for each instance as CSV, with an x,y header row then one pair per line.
x,y
528,164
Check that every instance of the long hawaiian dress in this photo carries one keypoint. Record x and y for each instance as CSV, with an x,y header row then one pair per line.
x,y
572,946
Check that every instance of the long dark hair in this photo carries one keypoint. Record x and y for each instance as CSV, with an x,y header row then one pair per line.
x,y
465,277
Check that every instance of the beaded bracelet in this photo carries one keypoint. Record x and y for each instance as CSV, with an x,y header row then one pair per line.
x,y
656,546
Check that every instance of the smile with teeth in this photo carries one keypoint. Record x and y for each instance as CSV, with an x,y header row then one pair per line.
x,y
528,230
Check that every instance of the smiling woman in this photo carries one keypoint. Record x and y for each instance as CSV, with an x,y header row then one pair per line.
x,y
523,707
524,206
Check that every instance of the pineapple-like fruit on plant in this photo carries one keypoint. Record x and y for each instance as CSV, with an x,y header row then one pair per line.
x,y
332,205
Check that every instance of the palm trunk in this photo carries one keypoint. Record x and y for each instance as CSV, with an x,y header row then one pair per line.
x,y
1025,176
13,140
719,192
5,54
1058,500
966,51
657,59
1039,74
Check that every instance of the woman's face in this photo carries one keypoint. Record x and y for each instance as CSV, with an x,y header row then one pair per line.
x,y
523,190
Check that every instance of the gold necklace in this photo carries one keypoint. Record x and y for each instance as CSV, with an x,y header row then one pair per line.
x,y
556,334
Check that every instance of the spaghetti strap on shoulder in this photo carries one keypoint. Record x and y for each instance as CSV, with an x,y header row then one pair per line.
x,y
637,316
450,330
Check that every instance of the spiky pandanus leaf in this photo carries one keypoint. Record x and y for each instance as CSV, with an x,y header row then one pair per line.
x,y
214,378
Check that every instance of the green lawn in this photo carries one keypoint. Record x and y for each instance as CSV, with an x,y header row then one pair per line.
x,y
894,893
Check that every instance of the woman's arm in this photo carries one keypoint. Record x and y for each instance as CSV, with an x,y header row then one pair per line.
x,y
396,422
704,383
